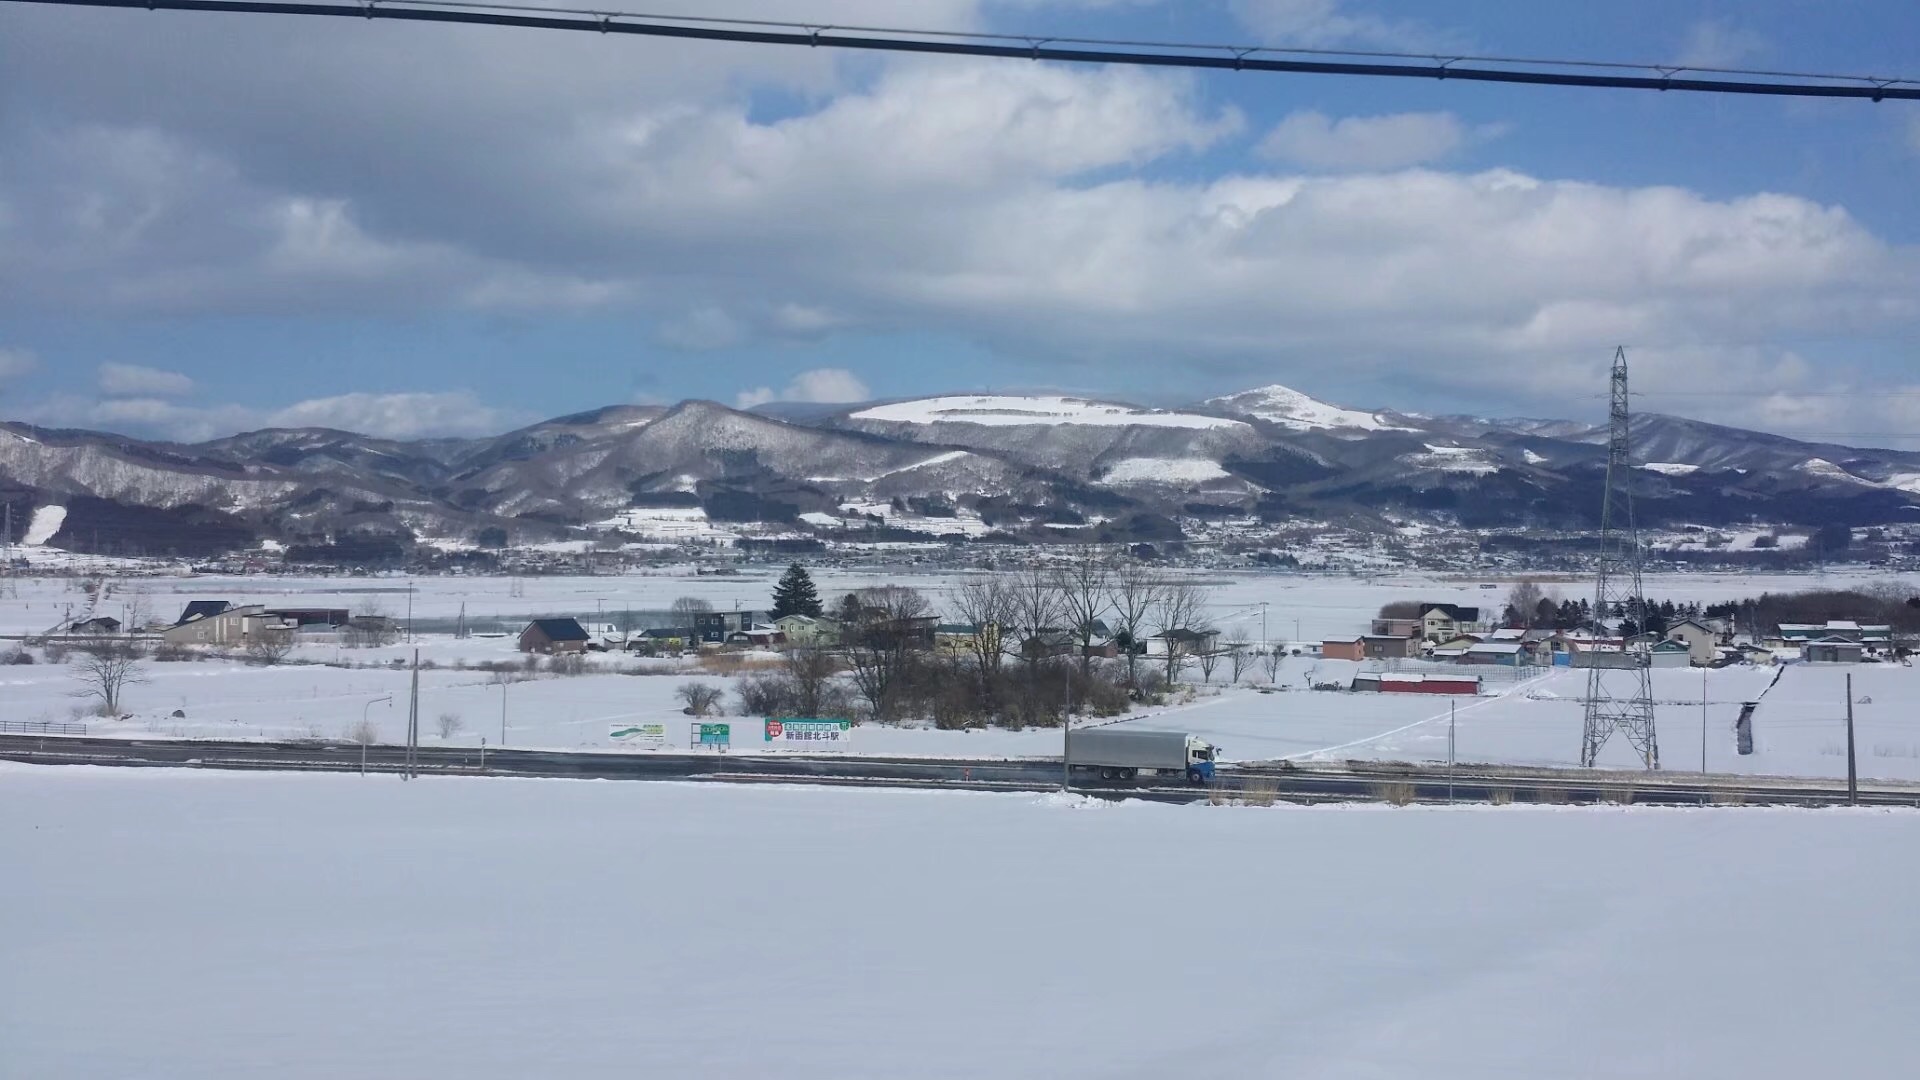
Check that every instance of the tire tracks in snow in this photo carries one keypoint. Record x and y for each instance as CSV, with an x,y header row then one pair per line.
x,y
1478,703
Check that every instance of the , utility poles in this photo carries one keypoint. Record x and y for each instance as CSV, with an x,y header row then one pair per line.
x,y
1066,736
1619,686
363,740
1853,775
413,719
1450,710
1703,720
503,708
1066,753
409,611
1263,624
